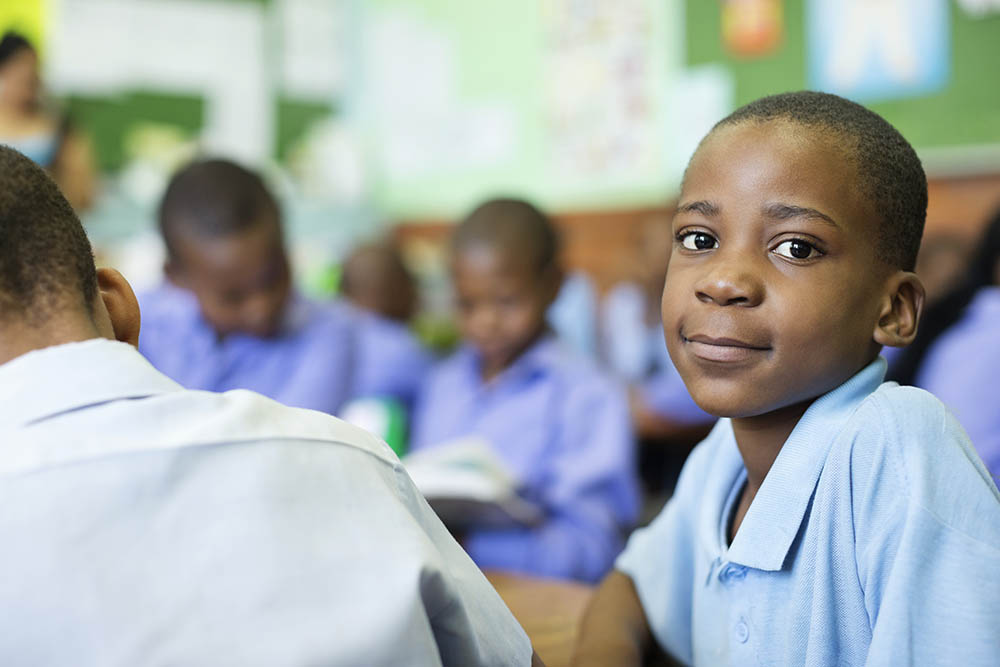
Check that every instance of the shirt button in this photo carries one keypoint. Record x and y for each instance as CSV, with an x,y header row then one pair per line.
x,y
732,573
742,632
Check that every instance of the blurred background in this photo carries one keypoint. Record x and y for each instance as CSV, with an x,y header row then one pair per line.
x,y
374,116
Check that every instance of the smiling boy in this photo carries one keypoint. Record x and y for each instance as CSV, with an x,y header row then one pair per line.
x,y
828,518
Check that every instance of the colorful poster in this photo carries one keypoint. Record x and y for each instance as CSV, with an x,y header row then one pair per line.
x,y
598,101
752,28
871,50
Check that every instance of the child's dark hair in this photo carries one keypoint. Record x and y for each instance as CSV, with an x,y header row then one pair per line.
x,y
214,198
11,44
514,226
45,257
950,308
889,172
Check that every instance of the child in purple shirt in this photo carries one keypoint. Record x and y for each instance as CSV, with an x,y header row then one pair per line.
x,y
560,425
381,293
227,317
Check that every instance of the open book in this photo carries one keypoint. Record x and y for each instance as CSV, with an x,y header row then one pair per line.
x,y
468,485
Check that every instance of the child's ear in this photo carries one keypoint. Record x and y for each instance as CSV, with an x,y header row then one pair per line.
x,y
117,310
901,306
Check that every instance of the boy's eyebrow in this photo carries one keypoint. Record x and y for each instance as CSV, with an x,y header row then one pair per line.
x,y
706,208
787,211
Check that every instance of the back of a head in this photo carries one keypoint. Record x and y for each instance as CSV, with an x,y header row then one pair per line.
x,y
214,198
376,278
46,262
511,226
889,172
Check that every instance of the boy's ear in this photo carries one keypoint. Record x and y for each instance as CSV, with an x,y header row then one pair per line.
x,y
117,311
901,306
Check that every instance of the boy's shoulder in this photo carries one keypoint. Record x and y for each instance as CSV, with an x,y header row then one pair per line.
x,y
908,424
903,447
144,412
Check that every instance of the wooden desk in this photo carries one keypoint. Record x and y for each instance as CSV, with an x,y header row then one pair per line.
x,y
548,610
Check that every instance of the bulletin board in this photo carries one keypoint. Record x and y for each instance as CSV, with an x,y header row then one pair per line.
x,y
964,112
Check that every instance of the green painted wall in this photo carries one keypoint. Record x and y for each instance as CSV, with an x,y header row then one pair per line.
x,y
965,112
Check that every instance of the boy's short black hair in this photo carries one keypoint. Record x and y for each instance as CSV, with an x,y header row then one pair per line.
x,y
513,226
214,198
46,261
889,172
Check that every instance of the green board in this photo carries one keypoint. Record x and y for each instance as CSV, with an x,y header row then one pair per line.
x,y
965,113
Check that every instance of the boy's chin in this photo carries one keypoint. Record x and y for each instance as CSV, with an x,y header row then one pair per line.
x,y
734,405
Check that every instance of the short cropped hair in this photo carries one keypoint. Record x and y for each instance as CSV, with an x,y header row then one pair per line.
x,y
212,199
510,225
46,261
889,172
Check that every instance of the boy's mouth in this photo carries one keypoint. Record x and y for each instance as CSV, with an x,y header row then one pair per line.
x,y
722,349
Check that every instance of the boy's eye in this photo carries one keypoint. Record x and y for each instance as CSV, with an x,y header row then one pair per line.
x,y
797,249
698,241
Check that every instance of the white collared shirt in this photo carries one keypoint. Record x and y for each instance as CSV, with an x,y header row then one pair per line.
x,y
874,539
142,523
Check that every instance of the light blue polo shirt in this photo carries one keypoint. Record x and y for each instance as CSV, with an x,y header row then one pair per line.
x,y
874,539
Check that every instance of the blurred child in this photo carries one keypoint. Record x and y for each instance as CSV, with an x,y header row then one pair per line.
x,y
828,518
634,347
557,423
389,360
573,314
666,419
956,355
227,317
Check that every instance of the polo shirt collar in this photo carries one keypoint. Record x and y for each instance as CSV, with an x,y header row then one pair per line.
x,y
777,511
539,358
58,379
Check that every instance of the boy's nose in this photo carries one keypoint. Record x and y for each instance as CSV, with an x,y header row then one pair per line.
x,y
730,284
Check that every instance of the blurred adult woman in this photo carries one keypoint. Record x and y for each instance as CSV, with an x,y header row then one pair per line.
x,y
38,132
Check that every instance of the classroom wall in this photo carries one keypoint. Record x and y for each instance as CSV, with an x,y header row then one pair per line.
x,y
363,111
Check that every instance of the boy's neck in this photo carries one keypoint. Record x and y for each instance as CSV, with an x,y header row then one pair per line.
x,y
489,369
761,438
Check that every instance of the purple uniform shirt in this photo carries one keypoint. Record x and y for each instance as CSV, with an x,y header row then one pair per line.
x,y
962,368
390,361
307,365
563,429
